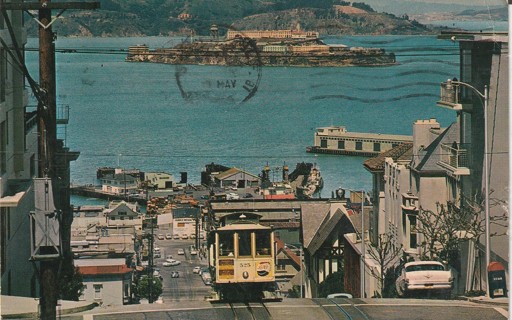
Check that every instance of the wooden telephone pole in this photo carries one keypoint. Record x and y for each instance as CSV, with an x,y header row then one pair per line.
x,y
47,127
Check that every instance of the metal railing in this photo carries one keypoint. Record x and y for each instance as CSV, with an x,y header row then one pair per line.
x,y
455,156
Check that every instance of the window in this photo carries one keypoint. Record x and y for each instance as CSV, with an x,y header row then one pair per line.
x,y
376,146
413,235
97,291
126,290
359,145
82,295
3,239
225,244
3,147
3,72
341,144
263,245
323,143
244,243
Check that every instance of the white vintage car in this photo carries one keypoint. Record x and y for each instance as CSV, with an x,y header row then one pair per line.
x,y
424,276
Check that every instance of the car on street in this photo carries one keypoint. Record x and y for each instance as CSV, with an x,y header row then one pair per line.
x,y
181,252
424,276
339,295
171,262
175,274
169,256
176,236
160,236
184,236
193,252
168,236
196,269
248,195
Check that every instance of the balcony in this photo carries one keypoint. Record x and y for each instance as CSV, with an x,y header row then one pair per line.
x,y
451,97
455,159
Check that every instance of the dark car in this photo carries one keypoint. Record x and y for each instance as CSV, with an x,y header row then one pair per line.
x,y
248,195
175,274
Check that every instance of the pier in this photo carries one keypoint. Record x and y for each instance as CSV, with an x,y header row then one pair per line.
x,y
337,140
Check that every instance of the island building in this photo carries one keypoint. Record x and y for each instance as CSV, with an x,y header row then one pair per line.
x,y
273,34
337,140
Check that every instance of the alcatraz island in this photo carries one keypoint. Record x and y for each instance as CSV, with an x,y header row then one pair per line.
x,y
262,47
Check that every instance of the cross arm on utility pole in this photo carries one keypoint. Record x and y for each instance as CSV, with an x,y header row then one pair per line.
x,y
48,5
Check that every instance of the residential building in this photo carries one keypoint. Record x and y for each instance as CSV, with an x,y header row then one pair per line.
x,y
484,61
18,165
448,165
106,281
323,228
288,264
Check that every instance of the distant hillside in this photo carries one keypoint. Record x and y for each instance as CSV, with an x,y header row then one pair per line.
x,y
171,17
340,20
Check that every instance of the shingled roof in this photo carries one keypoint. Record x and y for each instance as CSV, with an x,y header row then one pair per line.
x,y
400,152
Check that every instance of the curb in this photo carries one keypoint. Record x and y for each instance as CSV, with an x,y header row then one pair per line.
x,y
487,302
35,315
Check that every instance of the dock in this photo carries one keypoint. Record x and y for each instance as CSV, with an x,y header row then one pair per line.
x,y
337,140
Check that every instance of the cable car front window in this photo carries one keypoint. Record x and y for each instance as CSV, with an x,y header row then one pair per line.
x,y
263,244
225,244
244,243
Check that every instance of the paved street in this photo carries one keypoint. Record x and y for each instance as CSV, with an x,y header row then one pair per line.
x,y
189,285
318,309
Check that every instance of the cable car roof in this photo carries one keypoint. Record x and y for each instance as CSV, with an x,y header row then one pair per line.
x,y
243,226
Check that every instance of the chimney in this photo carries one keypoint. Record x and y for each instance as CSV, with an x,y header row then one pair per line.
x,y
422,134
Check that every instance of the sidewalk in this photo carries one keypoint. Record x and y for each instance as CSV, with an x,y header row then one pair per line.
x,y
501,301
12,307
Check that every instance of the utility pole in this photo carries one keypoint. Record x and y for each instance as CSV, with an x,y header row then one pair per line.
x,y
47,128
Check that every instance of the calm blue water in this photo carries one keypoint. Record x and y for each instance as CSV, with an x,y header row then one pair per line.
x,y
134,113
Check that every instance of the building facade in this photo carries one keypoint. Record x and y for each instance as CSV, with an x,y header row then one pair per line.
x,y
18,165
106,281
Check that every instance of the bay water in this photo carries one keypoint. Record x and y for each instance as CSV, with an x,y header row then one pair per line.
x,y
135,115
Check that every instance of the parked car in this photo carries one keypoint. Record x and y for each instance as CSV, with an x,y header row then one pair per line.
x,y
193,252
248,195
196,269
168,257
176,236
181,251
175,274
157,255
168,236
160,236
166,264
339,295
184,236
424,276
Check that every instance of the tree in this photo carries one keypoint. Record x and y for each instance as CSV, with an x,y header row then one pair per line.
x,y
446,228
143,288
386,252
70,281
332,284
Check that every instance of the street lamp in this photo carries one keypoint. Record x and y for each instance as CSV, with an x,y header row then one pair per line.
x,y
300,258
450,99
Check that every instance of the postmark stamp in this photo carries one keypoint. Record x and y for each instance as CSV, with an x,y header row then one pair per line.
x,y
221,71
